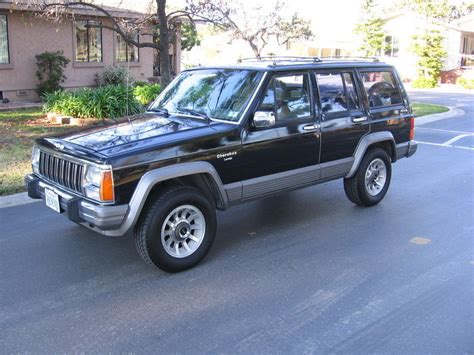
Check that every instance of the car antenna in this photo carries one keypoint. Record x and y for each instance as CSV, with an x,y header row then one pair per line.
x,y
126,90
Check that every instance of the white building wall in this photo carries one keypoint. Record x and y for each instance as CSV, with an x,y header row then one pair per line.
x,y
403,28
452,44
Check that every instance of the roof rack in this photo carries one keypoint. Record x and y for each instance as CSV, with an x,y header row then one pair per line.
x,y
278,59
349,57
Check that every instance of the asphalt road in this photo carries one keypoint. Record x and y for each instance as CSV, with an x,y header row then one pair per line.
x,y
302,272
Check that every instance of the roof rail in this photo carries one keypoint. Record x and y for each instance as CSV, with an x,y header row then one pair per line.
x,y
349,57
276,59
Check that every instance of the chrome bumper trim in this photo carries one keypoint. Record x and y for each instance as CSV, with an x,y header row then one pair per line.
x,y
100,218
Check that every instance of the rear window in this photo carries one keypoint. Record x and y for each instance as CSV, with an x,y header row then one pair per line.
x,y
381,89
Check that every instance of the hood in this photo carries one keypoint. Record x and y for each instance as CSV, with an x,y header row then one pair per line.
x,y
148,132
129,134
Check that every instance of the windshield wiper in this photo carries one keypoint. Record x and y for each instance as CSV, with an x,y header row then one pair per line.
x,y
159,110
194,113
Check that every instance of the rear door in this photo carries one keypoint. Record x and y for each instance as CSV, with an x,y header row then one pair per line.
x,y
344,120
388,110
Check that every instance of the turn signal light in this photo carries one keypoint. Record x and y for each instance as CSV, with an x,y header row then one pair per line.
x,y
412,128
107,186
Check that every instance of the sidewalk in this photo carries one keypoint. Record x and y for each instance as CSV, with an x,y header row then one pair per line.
x,y
17,105
442,88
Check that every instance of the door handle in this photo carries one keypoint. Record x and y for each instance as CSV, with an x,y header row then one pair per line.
x,y
311,127
359,119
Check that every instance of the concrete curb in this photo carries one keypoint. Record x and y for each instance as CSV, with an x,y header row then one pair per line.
x,y
453,112
23,199
16,200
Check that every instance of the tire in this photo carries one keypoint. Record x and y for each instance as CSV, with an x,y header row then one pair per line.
x,y
368,188
172,246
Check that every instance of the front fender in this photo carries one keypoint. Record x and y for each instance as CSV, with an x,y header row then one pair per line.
x,y
151,178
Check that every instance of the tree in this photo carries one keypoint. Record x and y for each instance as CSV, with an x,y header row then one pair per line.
x,y
371,30
430,50
254,26
189,37
258,24
443,10
168,23
428,44
50,72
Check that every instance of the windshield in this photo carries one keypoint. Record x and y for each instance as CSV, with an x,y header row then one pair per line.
x,y
209,93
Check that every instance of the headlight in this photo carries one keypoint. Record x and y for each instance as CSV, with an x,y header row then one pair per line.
x,y
35,157
98,183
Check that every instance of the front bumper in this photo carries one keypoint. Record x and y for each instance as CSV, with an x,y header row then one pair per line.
x,y
100,218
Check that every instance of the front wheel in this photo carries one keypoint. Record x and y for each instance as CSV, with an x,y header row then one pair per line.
x,y
177,229
371,181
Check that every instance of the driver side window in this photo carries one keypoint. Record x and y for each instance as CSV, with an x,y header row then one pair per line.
x,y
288,97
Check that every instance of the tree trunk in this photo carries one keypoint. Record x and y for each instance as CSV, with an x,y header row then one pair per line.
x,y
165,65
255,49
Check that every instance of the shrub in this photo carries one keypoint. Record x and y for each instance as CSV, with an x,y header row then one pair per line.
x,y
424,82
145,93
54,101
430,51
466,83
50,72
113,76
140,83
104,102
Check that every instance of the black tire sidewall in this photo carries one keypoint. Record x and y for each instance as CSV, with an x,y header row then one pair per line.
x,y
156,251
371,155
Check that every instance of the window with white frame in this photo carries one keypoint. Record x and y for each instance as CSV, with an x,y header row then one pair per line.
x,y
4,52
126,52
391,46
88,41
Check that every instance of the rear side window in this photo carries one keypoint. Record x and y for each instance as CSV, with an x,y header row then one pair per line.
x,y
337,92
381,89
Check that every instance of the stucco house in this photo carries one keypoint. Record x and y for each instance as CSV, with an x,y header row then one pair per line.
x,y
90,49
459,42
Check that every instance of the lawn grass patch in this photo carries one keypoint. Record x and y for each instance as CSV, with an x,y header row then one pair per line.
x,y
18,131
423,109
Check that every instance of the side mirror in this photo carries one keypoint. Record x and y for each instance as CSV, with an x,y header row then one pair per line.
x,y
262,119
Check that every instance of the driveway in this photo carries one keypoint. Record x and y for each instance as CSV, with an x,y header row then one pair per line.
x,y
301,272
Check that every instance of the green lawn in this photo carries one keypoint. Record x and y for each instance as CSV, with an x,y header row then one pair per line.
x,y
18,130
422,109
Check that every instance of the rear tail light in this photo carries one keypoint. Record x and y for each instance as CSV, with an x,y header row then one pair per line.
x,y
412,128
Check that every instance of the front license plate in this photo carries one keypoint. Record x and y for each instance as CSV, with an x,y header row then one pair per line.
x,y
52,200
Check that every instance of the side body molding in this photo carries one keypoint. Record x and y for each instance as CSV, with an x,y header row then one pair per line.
x,y
151,178
364,143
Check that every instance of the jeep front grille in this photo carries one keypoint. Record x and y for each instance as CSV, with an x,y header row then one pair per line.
x,y
63,172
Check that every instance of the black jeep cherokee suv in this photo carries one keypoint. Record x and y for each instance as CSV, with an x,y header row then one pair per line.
x,y
220,136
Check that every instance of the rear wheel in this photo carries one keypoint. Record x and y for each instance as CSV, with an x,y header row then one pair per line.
x,y
177,229
371,181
